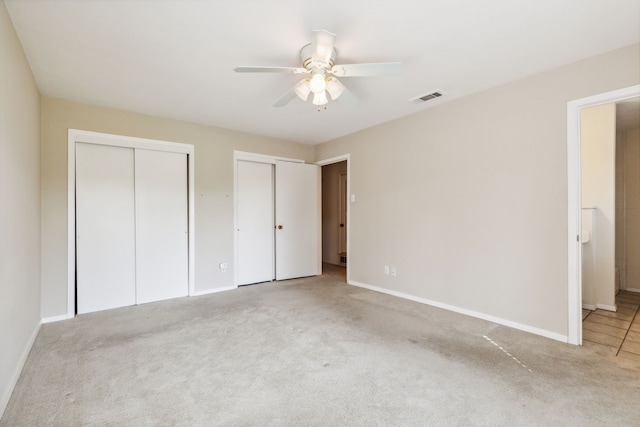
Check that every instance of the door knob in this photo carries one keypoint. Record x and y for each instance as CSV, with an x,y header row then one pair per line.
x,y
279,227
341,225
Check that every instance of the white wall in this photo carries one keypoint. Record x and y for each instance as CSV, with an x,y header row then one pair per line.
x,y
598,142
19,208
469,199
213,186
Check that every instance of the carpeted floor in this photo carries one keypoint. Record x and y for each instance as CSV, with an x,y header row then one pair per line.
x,y
312,352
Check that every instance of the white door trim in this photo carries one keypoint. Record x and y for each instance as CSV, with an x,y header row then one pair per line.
x,y
343,197
339,159
574,280
261,158
75,136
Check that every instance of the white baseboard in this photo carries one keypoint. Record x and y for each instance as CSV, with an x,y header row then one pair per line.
x,y
600,306
6,393
632,290
607,307
57,318
195,294
213,291
483,316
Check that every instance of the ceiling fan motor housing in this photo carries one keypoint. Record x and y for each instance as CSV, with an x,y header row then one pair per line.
x,y
309,63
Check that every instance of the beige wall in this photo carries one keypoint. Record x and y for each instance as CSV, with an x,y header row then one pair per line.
x,y
213,186
330,211
469,199
19,208
631,212
597,144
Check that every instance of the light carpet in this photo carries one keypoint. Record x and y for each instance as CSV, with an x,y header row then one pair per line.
x,y
312,352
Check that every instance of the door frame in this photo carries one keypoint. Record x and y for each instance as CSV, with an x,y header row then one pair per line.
x,y
88,137
338,159
574,187
247,157
343,203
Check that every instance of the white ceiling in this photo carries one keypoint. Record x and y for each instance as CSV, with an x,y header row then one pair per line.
x,y
175,58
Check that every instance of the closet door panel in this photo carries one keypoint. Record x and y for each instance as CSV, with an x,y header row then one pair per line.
x,y
299,220
162,267
105,227
255,223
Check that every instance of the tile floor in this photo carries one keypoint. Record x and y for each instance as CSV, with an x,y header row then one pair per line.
x,y
620,330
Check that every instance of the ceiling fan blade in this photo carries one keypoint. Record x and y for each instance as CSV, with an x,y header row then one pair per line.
x,y
294,70
348,99
299,90
322,45
366,70
286,98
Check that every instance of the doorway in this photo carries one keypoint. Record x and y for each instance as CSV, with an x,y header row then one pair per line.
x,y
628,195
574,182
335,216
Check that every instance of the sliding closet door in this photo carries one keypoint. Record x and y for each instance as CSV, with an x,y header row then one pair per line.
x,y
162,268
299,220
105,227
255,239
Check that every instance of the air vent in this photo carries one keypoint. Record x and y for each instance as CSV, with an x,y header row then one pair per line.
x,y
427,97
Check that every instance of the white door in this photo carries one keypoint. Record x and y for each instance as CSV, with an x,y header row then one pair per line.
x,y
162,265
105,227
255,223
298,220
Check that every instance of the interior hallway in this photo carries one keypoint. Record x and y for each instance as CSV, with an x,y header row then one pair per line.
x,y
618,332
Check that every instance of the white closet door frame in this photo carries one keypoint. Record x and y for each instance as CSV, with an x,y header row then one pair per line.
x,y
75,136
250,157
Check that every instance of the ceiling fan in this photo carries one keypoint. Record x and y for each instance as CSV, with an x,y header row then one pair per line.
x,y
318,63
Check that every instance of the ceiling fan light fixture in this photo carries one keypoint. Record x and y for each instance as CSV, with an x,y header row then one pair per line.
x,y
320,99
335,88
317,84
303,90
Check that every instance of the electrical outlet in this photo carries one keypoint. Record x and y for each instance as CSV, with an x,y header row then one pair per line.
x,y
223,266
386,270
393,272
